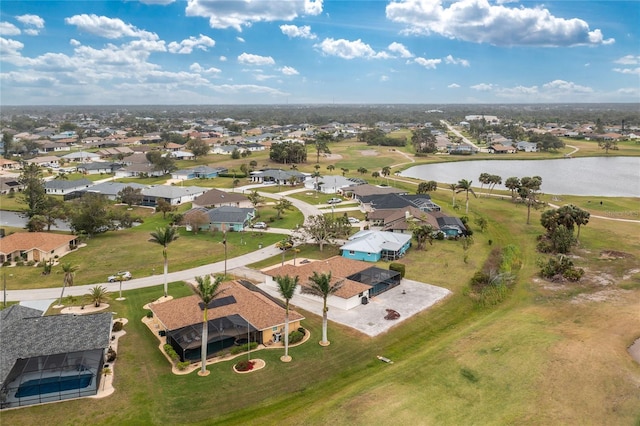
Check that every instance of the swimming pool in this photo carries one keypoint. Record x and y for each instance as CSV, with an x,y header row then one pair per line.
x,y
53,384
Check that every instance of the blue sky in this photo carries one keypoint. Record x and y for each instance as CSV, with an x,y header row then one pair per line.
x,y
318,52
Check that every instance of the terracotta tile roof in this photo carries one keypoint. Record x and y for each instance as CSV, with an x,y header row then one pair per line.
x,y
339,267
255,307
43,241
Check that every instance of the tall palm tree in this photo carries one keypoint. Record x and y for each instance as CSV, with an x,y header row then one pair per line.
x,y
320,285
453,187
207,291
67,280
98,294
286,287
465,186
164,237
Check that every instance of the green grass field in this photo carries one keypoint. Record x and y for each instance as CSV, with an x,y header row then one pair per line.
x,y
552,353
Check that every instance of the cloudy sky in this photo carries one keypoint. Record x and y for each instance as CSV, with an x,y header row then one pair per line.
x,y
314,51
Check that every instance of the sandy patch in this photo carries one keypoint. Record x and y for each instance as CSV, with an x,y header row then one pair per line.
x,y
634,350
84,309
600,296
333,156
369,153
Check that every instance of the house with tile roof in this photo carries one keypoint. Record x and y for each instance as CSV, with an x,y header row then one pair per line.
x,y
10,185
36,246
358,280
241,312
50,358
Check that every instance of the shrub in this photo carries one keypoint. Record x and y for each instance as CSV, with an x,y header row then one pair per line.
x,y
469,375
6,263
171,352
295,337
149,314
20,263
111,355
182,365
31,263
243,348
117,326
398,267
560,267
245,365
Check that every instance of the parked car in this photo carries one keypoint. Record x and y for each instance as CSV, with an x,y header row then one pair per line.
x,y
334,200
354,220
259,225
126,276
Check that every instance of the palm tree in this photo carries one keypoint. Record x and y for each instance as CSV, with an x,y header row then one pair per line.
x,y
67,280
453,187
465,186
331,167
164,237
98,294
320,285
286,287
207,291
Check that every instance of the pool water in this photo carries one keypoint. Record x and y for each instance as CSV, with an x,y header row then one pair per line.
x,y
53,384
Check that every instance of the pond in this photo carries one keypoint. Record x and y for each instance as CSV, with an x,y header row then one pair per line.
x,y
597,176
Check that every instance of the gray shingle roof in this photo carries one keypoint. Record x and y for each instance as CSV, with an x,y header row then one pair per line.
x,y
229,214
24,333
67,184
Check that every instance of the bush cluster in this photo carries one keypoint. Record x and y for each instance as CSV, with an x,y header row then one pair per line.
x,y
111,355
560,268
398,267
243,348
182,365
295,337
491,285
117,326
245,365
171,352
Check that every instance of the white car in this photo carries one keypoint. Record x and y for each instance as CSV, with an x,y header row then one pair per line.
x,y
126,276
260,225
334,200
354,220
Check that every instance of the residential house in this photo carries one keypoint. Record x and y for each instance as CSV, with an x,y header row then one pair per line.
x,y
217,198
331,184
51,358
278,176
359,190
358,280
182,155
64,187
240,313
97,168
9,164
10,185
81,157
527,146
174,195
372,246
48,161
501,149
200,172
451,226
225,218
111,190
36,246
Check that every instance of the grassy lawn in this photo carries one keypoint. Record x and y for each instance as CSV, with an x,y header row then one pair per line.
x,y
552,353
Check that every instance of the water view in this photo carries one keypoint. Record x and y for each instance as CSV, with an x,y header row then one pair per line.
x,y
597,176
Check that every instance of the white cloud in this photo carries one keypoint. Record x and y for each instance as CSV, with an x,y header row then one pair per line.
x,y
566,87
289,70
186,46
8,29
74,42
293,31
483,87
346,49
230,89
384,78
223,59
31,21
106,27
157,2
456,61
428,63
9,48
482,22
454,86
238,14
632,71
250,59
400,49
197,68
628,60
240,39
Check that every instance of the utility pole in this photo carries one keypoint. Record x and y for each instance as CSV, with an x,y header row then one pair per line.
x,y
224,241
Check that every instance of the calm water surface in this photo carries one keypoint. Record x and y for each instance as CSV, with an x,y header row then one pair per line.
x,y
597,176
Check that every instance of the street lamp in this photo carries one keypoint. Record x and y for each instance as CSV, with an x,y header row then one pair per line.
x,y
224,241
